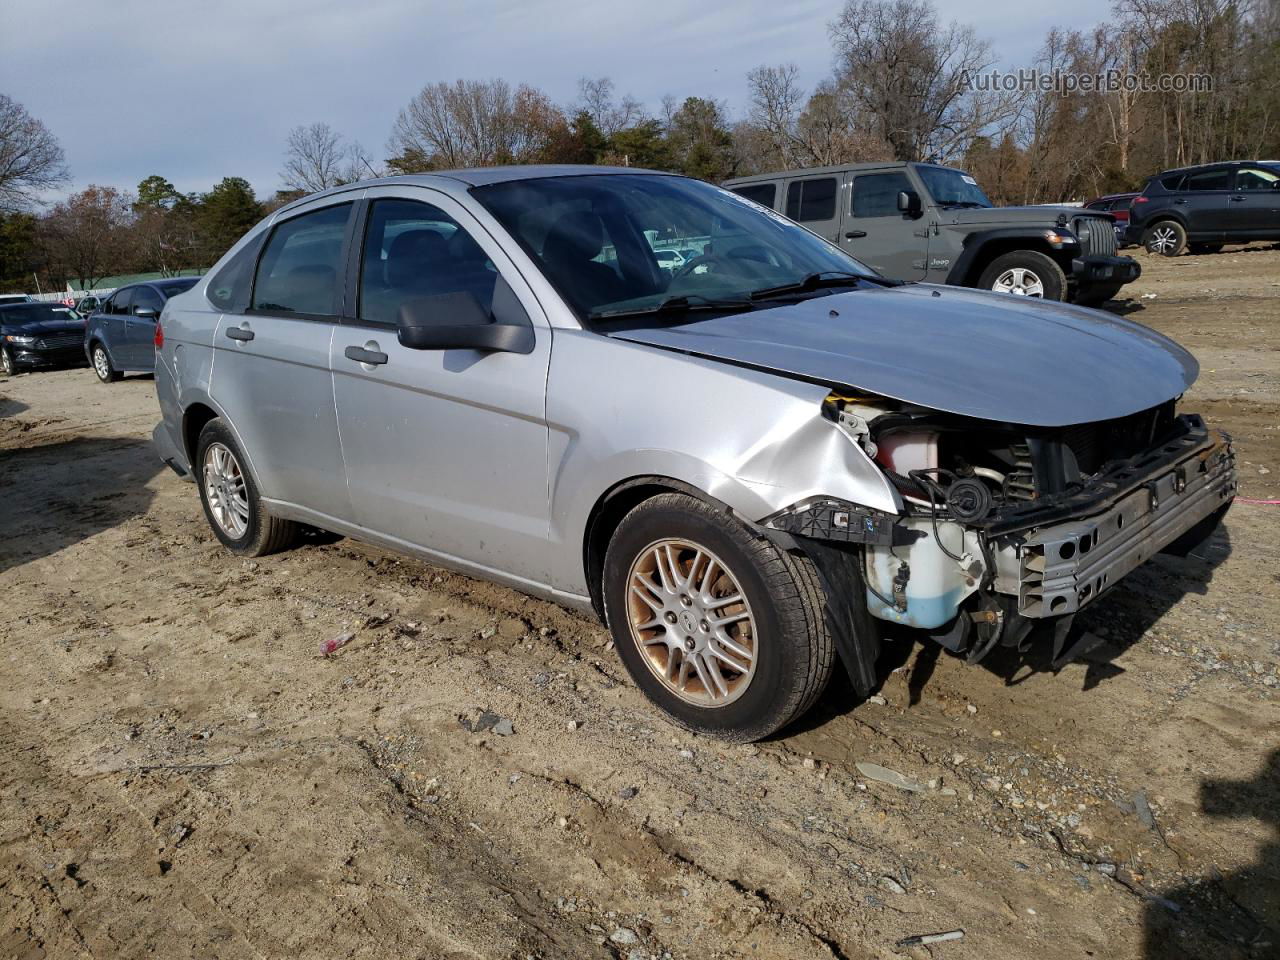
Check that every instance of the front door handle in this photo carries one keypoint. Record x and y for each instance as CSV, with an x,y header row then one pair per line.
x,y
240,333
363,355
1238,199
854,234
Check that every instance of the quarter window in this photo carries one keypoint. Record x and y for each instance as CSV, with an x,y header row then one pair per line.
x,y
876,194
415,251
762,193
809,200
302,263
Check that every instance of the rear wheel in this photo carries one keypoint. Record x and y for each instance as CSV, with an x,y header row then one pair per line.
x,y
1025,273
1166,238
722,630
102,364
230,497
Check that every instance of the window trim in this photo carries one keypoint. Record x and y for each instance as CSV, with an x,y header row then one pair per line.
x,y
340,281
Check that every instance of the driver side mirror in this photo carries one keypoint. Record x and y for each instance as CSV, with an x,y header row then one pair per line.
x,y
909,203
454,321
146,313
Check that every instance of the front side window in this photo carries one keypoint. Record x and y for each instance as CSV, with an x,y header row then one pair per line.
x,y
594,238
301,265
414,251
876,194
1209,180
764,194
146,297
1256,178
811,200
121,301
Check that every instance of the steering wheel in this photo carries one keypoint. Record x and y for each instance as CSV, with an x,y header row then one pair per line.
x,y
706,259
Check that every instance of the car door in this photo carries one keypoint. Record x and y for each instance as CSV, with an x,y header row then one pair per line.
x,y
445,450
1255,204
879,234
271,359
813,201
140,331
1205,202
111,320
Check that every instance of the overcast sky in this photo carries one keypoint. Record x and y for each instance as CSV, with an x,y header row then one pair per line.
x,y
199,91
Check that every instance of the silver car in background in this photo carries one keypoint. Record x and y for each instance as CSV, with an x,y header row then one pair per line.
x,y
748,465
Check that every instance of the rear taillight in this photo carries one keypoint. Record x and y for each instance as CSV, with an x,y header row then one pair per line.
x,y
1140,200
158,340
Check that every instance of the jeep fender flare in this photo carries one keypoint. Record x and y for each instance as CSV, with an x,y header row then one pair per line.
x,y
966,268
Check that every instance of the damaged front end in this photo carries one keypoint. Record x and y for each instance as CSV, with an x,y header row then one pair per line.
x,y
1008,528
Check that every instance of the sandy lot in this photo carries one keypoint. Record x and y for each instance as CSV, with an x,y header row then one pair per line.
x,y
182,775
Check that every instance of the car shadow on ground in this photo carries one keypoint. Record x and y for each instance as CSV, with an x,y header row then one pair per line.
x,y
11,408
60,493
1226,916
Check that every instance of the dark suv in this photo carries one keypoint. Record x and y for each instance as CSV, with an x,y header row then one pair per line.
x,y
1200,208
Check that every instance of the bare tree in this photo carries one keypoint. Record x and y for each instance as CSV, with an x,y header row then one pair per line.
x,y
610,116
474,123
88,235
910,76
317,158
31,160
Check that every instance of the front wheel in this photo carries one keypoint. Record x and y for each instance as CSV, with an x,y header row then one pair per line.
x,y
1025,273
230,497
1166,238
721,629
7,366
102,364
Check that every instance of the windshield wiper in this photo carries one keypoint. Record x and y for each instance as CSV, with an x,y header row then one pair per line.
x,y
680,304
966,203
816,281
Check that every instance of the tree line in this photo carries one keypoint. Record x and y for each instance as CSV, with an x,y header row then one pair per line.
x,y
902,86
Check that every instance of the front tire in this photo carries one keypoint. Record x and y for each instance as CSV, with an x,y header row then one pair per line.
x,y
102,364
230,497
1026,273
1167,238
7,366
721,629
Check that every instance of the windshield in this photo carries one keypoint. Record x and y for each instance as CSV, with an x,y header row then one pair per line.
x,y
952,188
36,313
611,244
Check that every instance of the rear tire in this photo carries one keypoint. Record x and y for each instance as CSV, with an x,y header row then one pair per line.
x,y
230,497
101,361
1027,273
1165,238
778,619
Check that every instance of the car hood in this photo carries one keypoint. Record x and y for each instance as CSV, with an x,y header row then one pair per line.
x,y
993,356
40,328
993,216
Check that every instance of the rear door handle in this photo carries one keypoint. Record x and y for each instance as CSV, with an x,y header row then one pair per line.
x,y
1180,200
1238,199
362,355
240,333
854,234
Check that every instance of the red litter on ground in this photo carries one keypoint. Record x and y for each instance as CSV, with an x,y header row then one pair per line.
x,y
337,643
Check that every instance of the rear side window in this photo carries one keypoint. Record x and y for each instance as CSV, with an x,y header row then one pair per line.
x,y
1173,183
1209,180
809,200
764,194
302,264
876,194
416,251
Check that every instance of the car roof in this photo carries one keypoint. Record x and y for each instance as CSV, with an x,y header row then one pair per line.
x,y
1208,166
483,177
820,171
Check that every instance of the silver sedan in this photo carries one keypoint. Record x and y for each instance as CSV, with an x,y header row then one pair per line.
x,y
747,465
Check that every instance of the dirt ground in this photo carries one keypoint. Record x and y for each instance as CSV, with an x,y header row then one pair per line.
x,y
183,775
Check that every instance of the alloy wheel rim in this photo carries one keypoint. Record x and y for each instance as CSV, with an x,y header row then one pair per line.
x,y
1020,282
1163,240
6,363
691,622
100,363
224,490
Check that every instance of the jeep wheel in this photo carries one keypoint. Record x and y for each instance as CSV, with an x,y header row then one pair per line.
x,y
719,628
1205,247
1025,273
1166,238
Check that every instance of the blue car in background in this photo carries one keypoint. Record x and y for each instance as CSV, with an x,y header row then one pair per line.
x,y
120,335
